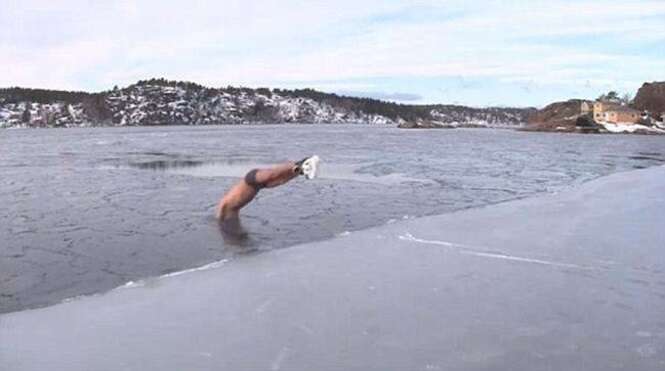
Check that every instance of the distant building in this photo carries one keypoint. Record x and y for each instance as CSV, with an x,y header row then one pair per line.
x,y
622,114
614,113
599,108
586,107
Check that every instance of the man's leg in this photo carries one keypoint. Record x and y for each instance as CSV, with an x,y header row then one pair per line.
x,y
280,174
276,175
245,190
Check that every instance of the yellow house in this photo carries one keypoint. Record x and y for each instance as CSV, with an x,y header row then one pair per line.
x,y
622,115
614,113
599,108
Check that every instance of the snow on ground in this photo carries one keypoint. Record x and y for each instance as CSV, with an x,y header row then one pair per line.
x,y
629,128
570,281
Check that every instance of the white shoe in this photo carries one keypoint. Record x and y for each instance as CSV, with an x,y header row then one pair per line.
x,y
310,167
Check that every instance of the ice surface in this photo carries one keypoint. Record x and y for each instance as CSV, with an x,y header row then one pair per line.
x,y
421,294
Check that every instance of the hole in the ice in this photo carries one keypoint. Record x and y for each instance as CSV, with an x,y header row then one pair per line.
x,y
165,164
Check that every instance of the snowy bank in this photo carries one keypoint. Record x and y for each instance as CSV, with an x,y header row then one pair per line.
x,y
630,128
570,281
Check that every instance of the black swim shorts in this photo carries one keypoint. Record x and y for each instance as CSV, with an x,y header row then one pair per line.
x,y
250,179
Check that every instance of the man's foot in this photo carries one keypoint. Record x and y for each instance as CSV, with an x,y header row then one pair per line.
x,y
309,167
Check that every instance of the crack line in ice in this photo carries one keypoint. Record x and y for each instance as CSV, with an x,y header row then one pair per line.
x,y
277,363
464,249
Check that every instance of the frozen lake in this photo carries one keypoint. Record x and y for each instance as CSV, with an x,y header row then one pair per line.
x,y
86,210
567,281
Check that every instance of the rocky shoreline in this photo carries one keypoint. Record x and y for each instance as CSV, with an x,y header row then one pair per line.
x,y
643,115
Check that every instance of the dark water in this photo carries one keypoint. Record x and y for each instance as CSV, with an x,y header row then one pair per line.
x,y
86,210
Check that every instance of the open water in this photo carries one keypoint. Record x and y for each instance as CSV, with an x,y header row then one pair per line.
x,y
86,210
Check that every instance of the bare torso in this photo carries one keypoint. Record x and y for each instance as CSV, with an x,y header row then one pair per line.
x,y
245,190
236,198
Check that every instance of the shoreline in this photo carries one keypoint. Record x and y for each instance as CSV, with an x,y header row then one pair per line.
x,y
523,128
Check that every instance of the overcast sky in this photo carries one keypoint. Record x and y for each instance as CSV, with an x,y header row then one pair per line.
x,y
511,53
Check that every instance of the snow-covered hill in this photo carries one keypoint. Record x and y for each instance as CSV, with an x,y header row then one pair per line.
x,y
462,116
162,102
